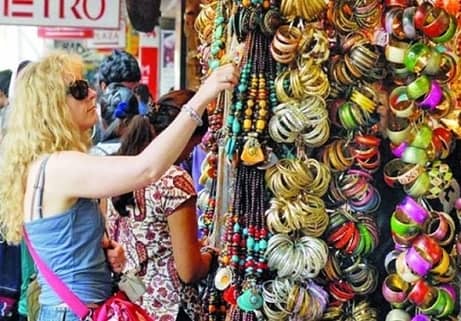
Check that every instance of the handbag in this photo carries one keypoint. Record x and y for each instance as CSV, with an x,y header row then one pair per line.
x,y
116,308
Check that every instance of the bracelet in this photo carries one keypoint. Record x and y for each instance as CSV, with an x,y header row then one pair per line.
x,y
193,114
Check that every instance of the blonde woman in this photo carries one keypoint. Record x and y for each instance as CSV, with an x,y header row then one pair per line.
x,y
48,181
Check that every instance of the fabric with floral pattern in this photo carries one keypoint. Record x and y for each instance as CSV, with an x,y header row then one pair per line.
x,y
146,238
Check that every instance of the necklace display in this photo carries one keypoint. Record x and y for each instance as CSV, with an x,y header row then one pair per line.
x,y
307,253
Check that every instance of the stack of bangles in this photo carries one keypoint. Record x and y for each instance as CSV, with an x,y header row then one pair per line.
x,y
356,235
355,188
357,311
349,276
306,213
300,258
288,300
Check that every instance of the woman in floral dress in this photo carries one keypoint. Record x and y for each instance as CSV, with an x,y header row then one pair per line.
x,y
157,224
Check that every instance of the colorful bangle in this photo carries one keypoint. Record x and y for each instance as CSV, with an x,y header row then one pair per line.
x,y
398,150
433,97
416,57
443,265
448,34
407,22
423,137
422,294
399,103
419,87
413,210
394,289
428,248
420,186
415,155
395,51
439,25
403,270
402,226
398,130
417,263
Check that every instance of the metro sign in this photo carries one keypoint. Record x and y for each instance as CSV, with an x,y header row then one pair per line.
x,y
61,13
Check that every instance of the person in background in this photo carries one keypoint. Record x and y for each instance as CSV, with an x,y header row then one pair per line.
x,y
144,98
118,106
27,264
119,67
157,224
5,79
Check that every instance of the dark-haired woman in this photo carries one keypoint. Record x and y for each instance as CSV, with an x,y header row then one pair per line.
x,y
157,224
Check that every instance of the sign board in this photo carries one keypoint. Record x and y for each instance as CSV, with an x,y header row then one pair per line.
x,y
65,33
61,13
108,38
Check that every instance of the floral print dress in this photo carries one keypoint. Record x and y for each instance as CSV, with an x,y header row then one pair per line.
x,y
146,238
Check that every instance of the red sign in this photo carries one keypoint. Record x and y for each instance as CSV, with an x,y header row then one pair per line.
x,y
62,13
149,68
65,33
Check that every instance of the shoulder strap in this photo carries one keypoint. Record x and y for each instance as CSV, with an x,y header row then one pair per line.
x,y
61,289
38,187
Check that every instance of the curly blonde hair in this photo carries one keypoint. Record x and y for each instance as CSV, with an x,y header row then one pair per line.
x,y
40,123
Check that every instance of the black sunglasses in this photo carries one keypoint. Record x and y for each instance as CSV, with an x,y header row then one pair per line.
x,y
79,89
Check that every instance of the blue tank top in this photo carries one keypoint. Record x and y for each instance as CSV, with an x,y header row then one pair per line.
x,y
70,244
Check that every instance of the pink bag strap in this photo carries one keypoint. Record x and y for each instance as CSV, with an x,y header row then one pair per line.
x,y
61,289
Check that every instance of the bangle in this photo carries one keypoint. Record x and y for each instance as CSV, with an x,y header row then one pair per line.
x,y
413,210
433,97
421,317
422,294
193,114
415,155
398,315
394,289
399,102
420,186
402,226
416,57
407,21
417,263
419,87
448,34
423,137
428,248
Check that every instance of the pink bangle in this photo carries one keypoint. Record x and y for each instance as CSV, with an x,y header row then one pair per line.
x,y
438,227
394,289
417,263
398,150
433,97
413,210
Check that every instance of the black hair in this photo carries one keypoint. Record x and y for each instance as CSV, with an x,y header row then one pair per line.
x,y
143,129
142,90
119,66
117,103
5,79
168,107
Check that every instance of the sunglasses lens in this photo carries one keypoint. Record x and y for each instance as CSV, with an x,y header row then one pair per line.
x,y
79,89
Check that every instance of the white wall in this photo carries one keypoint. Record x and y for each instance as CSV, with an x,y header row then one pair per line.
x,y
17,44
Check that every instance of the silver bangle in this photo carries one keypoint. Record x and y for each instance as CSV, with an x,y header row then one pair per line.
x,y
193,114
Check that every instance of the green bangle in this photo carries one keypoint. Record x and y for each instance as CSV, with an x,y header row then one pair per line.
x,y
367,240
420,186
439,305
346,117
416,57
403,229
447,35
414,155
398,130
449,306
423,137
419,87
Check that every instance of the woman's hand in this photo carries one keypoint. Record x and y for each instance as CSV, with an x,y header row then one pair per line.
x,y
115,254
223,77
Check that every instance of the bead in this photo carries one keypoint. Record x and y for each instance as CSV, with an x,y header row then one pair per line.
x,y
247,124
260,124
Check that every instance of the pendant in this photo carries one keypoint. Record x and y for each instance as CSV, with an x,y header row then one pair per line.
x,y
223,278
252,153
250,300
